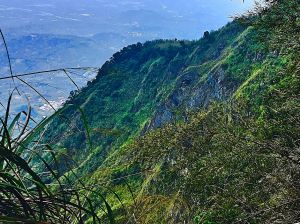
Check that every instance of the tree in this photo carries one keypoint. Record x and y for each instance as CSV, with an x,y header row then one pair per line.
x,y
206,35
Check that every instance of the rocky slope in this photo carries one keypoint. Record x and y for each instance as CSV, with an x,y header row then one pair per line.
x,y
145,86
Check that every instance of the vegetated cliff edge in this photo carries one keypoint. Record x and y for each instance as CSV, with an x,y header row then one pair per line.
x,y
220,124
145,86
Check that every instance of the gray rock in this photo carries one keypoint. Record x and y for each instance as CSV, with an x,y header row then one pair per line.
x,y
190,94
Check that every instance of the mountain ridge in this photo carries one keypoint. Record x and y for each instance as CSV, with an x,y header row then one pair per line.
x,y
152,56
194,131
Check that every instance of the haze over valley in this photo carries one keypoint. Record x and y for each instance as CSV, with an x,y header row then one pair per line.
x,y
45,35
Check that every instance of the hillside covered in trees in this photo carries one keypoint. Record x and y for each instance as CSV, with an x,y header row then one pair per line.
x,y
177,131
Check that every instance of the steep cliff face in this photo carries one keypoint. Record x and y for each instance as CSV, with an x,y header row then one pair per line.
x,y
189,96
197,88
145,86
200,131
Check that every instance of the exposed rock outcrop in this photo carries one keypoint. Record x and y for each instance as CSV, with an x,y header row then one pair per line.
x,y
191,93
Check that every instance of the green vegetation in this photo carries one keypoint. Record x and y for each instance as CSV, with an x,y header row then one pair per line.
x,y
201,132
26,195
129,89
